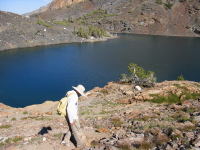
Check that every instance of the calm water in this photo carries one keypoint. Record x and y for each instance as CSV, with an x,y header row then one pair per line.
x,y
34,75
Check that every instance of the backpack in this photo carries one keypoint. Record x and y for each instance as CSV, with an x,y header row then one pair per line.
x,y
62,105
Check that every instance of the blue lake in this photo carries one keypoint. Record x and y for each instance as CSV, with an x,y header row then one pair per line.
x,y
33,75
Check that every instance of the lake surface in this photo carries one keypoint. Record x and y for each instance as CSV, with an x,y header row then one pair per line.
x,y
33,75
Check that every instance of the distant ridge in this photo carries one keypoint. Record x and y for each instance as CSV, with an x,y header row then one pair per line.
x,y
40,10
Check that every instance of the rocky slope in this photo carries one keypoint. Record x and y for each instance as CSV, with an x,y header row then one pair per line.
x,y
18,31
115,117
157,17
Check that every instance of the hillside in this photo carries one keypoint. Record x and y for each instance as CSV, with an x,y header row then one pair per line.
x,y
18,31
154,17
116,117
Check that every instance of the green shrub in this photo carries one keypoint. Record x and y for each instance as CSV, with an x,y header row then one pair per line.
x,y
104,33
190,110
197,85
87,112
94,143
8,140
175,136
82,33
16,139
58,135
2,144
61,23
168,5
172,98
99,13
159,2
13,119
124,78
180,87
25,112
5,126
117,122
82,22
104,91
111,15
92,31
36,118
96,32
152,124
180,78
70,19
187,128
42,22
144,118
191,95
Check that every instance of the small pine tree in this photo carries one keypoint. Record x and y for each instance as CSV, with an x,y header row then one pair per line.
x,y
82,33
139,76
168,5
180,78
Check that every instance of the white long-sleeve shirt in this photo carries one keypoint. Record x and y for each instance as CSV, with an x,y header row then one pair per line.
x,y
72,107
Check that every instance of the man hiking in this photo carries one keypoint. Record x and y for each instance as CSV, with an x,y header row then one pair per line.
x,y
72,117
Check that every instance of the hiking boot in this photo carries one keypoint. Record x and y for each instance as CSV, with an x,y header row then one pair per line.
x,y
63,143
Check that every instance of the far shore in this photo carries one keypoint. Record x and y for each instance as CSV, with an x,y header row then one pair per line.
x,y
92,39
83,40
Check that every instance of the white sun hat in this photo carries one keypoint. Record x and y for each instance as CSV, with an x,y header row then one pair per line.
x,y
80,89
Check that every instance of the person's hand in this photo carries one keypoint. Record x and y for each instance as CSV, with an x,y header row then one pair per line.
x,y
71,124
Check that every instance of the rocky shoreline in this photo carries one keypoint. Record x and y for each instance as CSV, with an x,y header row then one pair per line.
x,y
115,117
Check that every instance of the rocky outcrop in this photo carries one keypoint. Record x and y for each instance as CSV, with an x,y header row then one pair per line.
x,y
111,118
55,4
58,4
